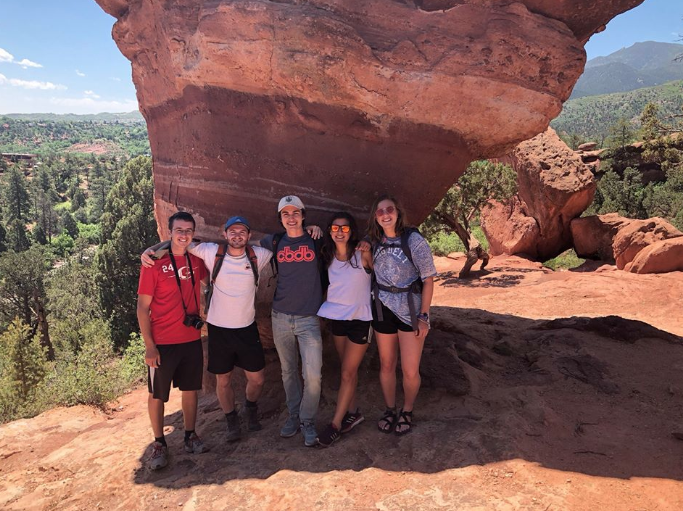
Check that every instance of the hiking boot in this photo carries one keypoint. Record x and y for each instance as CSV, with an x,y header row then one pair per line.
x,y
194,445
351,420
253,423
330,435
159,458
310,434
291,427
234,431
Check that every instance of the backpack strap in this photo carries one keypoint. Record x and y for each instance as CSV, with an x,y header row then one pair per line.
x,y
254,263
217,263
273,260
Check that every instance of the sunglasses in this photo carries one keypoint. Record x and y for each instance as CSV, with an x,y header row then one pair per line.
x,y
343,228
386,211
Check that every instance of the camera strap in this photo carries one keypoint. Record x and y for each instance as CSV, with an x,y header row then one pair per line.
x,y
177,279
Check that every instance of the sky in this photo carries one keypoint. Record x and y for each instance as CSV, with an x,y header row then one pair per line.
x,y
58,56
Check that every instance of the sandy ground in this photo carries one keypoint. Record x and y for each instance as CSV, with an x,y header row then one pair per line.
x,y
517,411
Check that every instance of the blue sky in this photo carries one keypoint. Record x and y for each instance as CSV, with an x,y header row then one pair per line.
x,y
58,55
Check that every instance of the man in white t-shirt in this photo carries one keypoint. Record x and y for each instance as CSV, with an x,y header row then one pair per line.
x,y
233,335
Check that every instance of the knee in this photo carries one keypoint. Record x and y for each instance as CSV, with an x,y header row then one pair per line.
x,y
349,376
223,380
387,365
411,374
257,380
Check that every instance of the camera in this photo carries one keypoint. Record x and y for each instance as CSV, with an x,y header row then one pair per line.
x,y
194,321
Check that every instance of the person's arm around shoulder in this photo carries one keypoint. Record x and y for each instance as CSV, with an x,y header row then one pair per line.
x,y
152,357
366,258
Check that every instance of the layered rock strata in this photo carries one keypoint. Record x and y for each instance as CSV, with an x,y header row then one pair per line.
x,y
338,100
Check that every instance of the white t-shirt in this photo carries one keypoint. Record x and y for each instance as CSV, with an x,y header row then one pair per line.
x,y
348,296
232,302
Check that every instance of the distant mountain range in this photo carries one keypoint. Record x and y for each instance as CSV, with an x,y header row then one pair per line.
x,y
101,117
644,64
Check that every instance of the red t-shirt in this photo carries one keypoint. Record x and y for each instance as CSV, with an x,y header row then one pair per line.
x,y
167,312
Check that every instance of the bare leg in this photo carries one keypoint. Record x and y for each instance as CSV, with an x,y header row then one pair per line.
x,y
255,381
353,355
189,403
156,415
411,354
224,392
340,343
387,345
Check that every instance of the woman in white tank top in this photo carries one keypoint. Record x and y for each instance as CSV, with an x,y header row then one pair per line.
x,y
349,313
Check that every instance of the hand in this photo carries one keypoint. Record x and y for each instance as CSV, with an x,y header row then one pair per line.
x,y
363,246
146,258
422,329
315,232
152,357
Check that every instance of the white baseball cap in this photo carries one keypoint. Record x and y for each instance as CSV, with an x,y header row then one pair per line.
x,y
290,200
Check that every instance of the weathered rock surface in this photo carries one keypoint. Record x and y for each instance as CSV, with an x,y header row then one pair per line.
x,y
593,235
337,100
634,236
508,228
554,187
659,257
638,246
574,413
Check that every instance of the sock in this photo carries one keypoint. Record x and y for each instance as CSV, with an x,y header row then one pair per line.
x,y
188,434
231,414
161,440
249,404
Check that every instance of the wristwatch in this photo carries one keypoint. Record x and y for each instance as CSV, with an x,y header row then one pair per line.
x,y
423,316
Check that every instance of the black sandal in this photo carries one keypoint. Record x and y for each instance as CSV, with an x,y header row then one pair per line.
x,y
403,421
387,422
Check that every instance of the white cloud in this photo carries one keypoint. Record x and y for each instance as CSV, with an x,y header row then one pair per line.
x,y
80,73
92,105
116,79
26,63
30,84
91,94
6,56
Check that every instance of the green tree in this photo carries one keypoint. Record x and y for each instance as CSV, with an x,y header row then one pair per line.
x,y
23,363
69,224
15,195
127,226
482,182
22,291
624,195
651,126
17,238
621,134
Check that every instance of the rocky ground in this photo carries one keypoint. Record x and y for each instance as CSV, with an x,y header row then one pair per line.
x,y
541,390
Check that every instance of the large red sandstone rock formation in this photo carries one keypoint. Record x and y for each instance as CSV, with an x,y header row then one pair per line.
x,y
554,186
638,246
335,100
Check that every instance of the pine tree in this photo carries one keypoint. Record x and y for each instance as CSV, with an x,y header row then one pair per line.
x,y
17,237
15,195
69,224
23,361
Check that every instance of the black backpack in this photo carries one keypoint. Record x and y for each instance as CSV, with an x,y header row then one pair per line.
x,y
218,262
415,287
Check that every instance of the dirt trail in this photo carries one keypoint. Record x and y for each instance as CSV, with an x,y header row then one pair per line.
x,y
516,412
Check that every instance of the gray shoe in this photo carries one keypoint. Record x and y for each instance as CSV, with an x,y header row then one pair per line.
x,y
310,434
291,427
194,445
234,431
253,423
159,458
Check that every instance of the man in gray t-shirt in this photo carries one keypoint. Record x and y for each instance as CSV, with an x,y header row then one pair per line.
x,y
296,327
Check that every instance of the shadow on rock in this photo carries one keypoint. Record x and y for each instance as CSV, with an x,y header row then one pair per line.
x,y
590,395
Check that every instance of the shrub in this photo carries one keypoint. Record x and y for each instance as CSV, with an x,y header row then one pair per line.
x,y
566,260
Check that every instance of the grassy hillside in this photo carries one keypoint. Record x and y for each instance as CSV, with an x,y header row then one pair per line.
x,y
592,116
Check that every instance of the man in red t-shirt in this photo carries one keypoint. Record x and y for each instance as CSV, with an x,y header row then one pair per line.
x,y
170,324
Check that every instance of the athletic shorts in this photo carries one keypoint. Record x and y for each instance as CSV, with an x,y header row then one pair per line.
x,y
356,330
230,347
181,364
391,324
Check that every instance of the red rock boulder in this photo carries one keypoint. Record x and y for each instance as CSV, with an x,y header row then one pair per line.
x,y
660,257
554,187
634,236
338,100
509,229
593,235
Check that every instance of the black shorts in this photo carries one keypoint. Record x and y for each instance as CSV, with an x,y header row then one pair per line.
x,y
181,364
356,330
230,347
391,323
